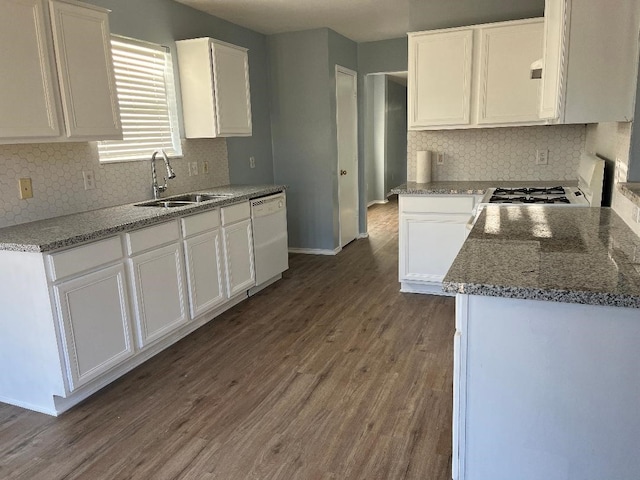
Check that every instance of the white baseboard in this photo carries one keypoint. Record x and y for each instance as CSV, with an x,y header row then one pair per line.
x,y
377,202
315,251
363,235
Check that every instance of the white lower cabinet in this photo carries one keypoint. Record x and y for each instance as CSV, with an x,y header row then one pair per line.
x,y
81,317
431,232
238,248
94,314
158,281
205,278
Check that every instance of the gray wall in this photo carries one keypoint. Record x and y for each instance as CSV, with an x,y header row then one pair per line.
x,y
395,135
375,162
432,15
163,22
634,156
303,126
300,108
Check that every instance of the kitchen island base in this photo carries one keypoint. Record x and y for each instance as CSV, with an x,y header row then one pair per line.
x,y
545,390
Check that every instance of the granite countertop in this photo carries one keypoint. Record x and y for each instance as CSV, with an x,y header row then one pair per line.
x,y
631,191
575,255
68,230
470,187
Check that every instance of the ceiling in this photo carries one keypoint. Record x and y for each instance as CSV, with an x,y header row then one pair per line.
x,y
365,20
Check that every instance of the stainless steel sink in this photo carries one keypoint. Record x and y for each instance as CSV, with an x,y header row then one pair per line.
x,y
184,200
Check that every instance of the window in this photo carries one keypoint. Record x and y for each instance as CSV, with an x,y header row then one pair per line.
x,y
146,95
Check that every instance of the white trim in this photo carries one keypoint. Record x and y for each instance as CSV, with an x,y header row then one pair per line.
x,y
346,71
315,251
377,202
363,235
433,288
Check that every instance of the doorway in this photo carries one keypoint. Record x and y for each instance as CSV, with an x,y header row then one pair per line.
x,y
385,134
347,133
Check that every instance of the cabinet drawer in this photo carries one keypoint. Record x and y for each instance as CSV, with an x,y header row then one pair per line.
x,y
201,222
437,204
84,258
151,237
235,213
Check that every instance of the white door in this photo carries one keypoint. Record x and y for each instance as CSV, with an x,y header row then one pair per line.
x,y
94,314
158,281
204,272
238,250
347,126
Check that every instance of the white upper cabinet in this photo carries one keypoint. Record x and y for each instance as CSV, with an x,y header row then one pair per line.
x,y
440,77
590,61
27,87
507,92
474,76
85,70
57,81
214,80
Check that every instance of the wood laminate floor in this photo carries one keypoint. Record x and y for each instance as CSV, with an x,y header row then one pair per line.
x,y
329,374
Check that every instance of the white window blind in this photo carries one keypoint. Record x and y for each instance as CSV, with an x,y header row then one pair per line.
x,y
146,95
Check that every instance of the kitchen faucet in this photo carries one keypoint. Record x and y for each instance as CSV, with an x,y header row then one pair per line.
x,y
158,189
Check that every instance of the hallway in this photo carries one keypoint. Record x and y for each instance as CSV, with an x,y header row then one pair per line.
x,y
330,373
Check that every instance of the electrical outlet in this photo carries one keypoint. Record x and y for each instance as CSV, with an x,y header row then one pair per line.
x,y
205,167
194,168
440,158
542,156
89,180
637,215
252,162
24,184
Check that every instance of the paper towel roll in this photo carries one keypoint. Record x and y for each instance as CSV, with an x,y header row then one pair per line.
x,y
423,166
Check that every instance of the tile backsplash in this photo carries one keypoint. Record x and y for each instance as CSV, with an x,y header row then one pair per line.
x,y
58,185
500,153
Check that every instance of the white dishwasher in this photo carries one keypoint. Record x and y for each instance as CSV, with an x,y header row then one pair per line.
x,y
270,247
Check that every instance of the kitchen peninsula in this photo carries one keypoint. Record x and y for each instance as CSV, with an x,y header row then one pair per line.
x,y
546,362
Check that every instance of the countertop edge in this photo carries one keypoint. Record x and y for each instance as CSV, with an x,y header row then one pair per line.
x,y
549,295
156,216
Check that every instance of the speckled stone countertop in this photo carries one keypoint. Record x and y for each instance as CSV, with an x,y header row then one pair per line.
x,y
631,191
68,230
470,187
574,255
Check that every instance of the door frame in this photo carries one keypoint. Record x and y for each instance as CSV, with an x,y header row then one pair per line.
x,y
352,73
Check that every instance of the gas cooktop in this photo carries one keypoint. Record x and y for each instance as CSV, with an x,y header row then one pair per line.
x,y
536,195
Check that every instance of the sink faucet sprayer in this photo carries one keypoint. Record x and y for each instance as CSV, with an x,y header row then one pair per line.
x,y
158,189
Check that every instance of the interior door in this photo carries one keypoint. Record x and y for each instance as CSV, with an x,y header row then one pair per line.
x,y
347,126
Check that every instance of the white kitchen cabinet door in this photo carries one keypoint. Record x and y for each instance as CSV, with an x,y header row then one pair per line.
x,y
29,88
590,61
507,92
440,67
214,81
85,69
232,94
429,244
205,277
94,315
158,282
238,253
